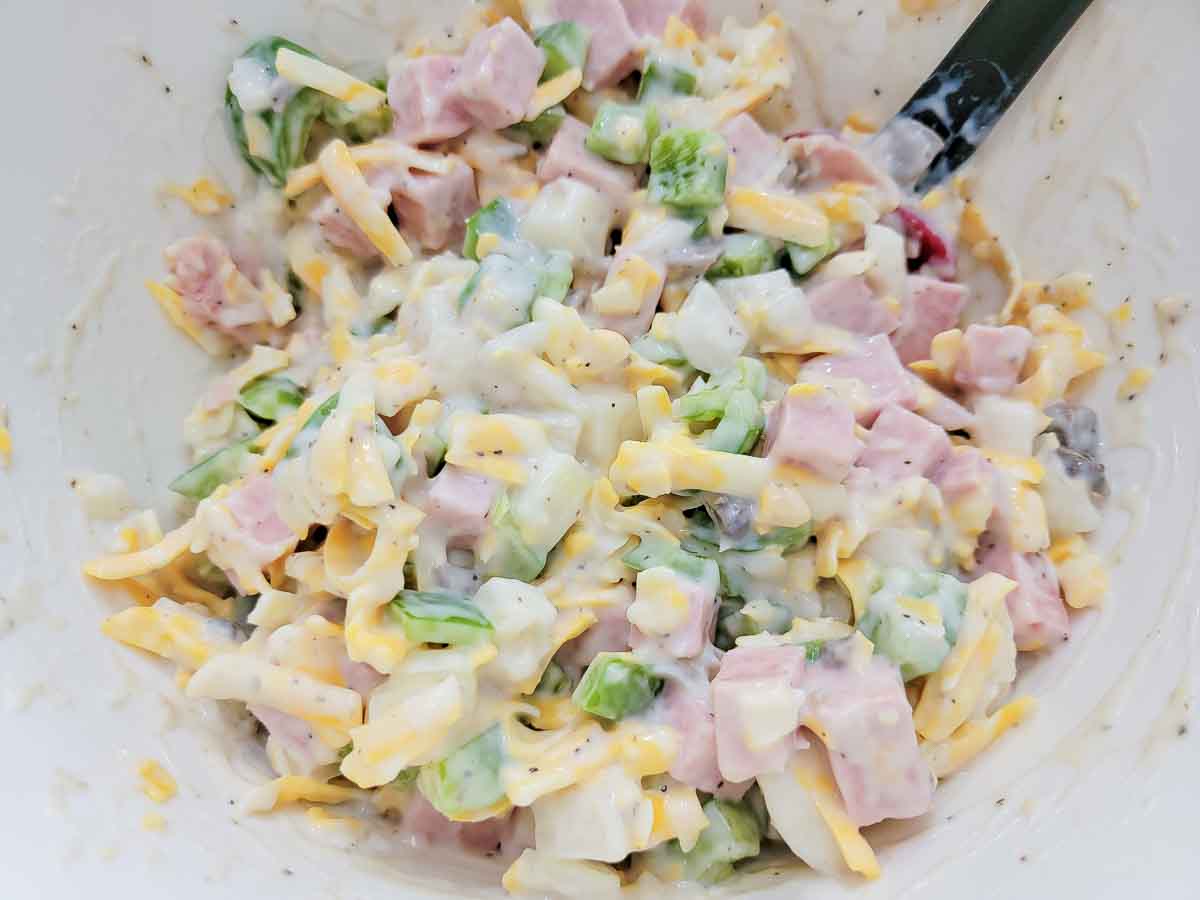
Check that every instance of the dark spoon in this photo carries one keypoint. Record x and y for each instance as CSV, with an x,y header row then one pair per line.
x,y
972,87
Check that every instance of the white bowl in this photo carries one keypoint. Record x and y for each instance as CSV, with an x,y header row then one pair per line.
x,y
1093,797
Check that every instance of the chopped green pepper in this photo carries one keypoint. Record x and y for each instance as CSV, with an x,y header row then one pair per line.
x,y
616,685
271,398
623,133
565,45
468,780
222,467
744,254
687,170
439,617
663,79
495,218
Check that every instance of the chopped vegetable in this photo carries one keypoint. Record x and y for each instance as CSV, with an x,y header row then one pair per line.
x,y
804,259
565,45
467,781
709,402
732,834
287,129
651,552
540,131
913,619
616,685
505,554
358,127
554,682
496,218
439,617
740,426
744,254
623,133
662,79
687,170
271,398
220,468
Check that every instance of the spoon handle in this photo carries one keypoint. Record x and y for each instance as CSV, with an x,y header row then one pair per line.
x,y
983,74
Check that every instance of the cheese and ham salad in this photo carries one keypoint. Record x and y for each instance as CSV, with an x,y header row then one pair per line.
x,y
608,477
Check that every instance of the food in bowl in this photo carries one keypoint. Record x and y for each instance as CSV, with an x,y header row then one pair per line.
x,y
610,477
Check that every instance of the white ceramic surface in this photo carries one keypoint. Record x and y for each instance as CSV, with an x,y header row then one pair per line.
x,y
1098,790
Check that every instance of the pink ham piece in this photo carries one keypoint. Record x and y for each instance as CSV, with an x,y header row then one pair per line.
x,y
693,637
866,723
1035,605
498,74
940,409
433,208
637,324
203,272
339,229
963,471
295,737
360,676
567,157
991,358
688,709
648,18
614,48
746,672
263,535
425,108
755,155
813,429
849,303
426,827
877,370
901,444
933,306
611,632
460,501
825,160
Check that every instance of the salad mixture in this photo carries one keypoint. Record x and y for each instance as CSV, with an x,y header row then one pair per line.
x,y
610,479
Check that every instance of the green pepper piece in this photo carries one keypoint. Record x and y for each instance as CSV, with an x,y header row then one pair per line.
x,y
616,685
623,133
495,218
439,617
687,170
744,254
663,79
565,45
270,398
222,467
468,780
538,132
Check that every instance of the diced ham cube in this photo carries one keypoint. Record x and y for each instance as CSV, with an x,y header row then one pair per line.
x,y
649,17
813,428
901,444
850,303
204,274
875,371
339,230
694,635
360,676
567,157
425,107
992,358
1035,606
756,156
460,501
933,306
614,48
498,75
751,683
262,534
434,208
825,160
963,471
940,409
427,827
688,709
298,751
866,724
